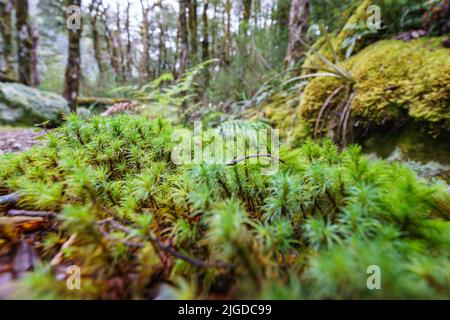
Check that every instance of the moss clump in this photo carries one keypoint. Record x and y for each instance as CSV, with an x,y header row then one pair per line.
x,y
309,231
280,111
394,80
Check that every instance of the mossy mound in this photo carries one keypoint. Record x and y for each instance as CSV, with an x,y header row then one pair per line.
x,y
394,80
147,228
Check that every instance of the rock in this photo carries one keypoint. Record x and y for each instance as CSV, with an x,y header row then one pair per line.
x,y
22,105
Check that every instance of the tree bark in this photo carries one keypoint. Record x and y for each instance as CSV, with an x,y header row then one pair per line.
x,y
184,36
6,9
36,80
73,68
205,41
120,49
193,28
24,43
228,39
205,46
281,16
111,43
162,52
128,47
145,31
94,12
298,26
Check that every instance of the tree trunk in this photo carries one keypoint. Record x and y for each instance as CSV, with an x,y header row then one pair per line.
x,y
73,68
247,13
118,40
24,43
281,16
193,28
214,31
298,26
205,41
205,46
184,36
128,49
161,39
36,80
94,12
6,8
111,43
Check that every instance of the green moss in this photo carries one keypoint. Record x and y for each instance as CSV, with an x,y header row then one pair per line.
x,y
394,80
315,225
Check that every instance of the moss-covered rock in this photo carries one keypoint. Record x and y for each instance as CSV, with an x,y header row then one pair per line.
x,y
22,105
394,81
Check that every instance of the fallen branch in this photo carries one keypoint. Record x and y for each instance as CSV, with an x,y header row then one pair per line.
x,y
236,161
9,199
161,246
26,213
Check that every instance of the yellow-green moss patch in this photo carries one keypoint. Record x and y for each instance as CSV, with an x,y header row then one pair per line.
x,y
393,80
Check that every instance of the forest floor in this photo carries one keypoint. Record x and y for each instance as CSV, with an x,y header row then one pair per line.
x,y
18,139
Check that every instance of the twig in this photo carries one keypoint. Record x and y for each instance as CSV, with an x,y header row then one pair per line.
x,y
263,155
59,256
26,213
9,199
161,246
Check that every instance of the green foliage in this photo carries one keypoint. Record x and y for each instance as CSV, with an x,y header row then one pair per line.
x,y
308,231
165,93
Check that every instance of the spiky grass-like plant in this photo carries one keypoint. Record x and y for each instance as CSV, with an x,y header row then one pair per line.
x,y
309,231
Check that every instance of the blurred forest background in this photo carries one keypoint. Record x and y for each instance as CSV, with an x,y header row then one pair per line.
x,y
136,41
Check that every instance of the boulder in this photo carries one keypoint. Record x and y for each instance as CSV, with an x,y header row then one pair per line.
x,y
22,105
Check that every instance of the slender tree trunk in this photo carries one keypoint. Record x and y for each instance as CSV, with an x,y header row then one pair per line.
x,y
298,26
6,9
214,32
184,36
128,49
281,16
161,39
145,30
118,39
205,41
205,45
73,68
94,12
247,13
177,53
111,43
228,39
24,43
193,28
36,80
